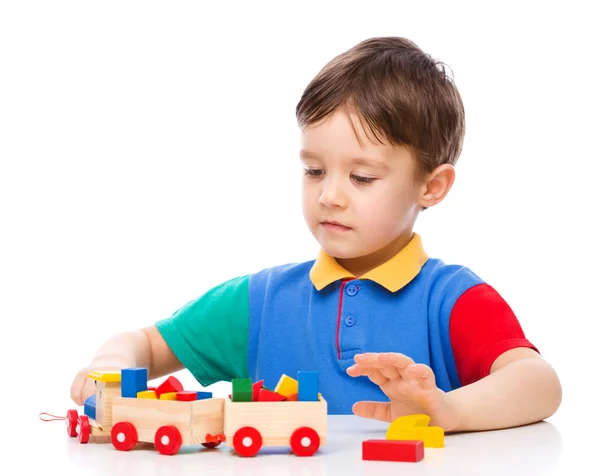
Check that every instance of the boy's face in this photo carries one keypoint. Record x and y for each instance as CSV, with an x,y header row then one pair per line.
x,y
370,190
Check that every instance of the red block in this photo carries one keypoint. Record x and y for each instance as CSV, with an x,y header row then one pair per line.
x,y
265,395
168,386
186,396
256,389
410,451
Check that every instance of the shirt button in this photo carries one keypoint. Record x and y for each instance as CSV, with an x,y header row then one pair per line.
x,y
351,290
350,320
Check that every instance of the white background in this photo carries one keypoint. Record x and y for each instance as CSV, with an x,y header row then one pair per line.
x,y
149,151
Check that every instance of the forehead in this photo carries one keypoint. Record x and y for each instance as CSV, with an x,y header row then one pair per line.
x,y
342,136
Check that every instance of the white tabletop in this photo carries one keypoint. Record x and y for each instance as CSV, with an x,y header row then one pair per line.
x,y
532,450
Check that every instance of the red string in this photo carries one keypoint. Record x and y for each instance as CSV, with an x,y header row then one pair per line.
x,y
55,417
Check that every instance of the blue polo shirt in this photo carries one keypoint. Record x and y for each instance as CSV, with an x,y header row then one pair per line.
x,y
317,316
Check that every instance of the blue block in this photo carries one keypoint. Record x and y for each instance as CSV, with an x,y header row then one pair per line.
x,y
308,386
204,395
89,407
133,380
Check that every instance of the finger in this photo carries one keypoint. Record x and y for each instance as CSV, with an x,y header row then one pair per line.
x,y
400,361
375,375
390,372
374,410
77,388
423,374
380,360
377,378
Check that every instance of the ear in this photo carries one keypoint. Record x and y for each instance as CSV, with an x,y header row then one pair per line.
x,y
436,185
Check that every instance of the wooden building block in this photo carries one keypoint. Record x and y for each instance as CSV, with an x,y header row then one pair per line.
x,y
148,395
411,451
203,395
169,396
414,427
187,396
242,390
265,395
308,386
256,389
286,386
133,380
171,384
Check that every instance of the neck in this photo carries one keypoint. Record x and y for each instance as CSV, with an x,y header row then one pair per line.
x,y
363,264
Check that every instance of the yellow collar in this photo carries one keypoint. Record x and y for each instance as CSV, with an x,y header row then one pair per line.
x,y
392,275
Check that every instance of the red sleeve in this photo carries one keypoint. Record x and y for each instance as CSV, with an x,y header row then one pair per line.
x,y
482,327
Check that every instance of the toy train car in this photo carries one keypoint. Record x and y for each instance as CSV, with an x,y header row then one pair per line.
x,y
125,411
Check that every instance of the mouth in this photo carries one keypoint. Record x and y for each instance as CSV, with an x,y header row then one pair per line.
x,y
334,225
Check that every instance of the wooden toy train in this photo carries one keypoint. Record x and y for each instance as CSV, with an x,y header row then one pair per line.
x,y
126,411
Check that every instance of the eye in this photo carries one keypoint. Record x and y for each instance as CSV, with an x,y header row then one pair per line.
x,y
363,180
314,172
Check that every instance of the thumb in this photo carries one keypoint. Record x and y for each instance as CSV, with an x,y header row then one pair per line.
x,y
375,410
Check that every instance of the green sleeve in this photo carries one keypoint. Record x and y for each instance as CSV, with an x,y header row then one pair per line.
x,y
209,335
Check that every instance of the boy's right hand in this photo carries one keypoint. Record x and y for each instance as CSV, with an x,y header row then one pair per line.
x,y
84,387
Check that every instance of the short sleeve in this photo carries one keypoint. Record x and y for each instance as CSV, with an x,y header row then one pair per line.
x,y
209,335
482,327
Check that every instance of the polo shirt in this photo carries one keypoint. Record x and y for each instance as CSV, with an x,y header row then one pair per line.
x,y
317,316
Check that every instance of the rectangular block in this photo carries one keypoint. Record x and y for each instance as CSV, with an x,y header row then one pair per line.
x,y
89,407
133,380
432,436
148,394
410,451
286,386
242,390
308,386
168,396
203,395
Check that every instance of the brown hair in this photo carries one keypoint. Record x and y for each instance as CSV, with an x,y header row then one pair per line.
x,y
399,91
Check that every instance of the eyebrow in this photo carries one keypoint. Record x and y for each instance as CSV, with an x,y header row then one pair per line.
x,y
307,154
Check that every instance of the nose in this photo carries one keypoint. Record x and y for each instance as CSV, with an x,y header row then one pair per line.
x,y
332,194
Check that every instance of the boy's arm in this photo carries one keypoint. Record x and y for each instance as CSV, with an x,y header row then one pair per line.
x,y
521,388
140,348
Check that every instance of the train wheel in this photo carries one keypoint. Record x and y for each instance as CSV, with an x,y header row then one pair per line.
x,y
71,422
247,441
305,441
167,440
124,436
83,429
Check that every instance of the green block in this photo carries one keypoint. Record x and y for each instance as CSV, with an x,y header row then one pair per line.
x,y
242,390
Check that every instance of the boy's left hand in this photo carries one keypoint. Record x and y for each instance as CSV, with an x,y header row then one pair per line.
x,y
410,387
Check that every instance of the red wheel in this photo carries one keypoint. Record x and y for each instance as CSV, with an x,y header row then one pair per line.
x,y
305,441
124,436
71,422
83,429
212,444
247,441
167,440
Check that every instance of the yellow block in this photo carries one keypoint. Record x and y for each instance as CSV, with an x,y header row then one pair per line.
x,y
105,375
151,394
414,427
168,396
286,386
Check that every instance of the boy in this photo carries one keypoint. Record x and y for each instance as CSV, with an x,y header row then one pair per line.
x,y
390,330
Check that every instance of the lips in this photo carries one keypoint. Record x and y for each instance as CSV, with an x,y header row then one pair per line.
x,y
332,222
